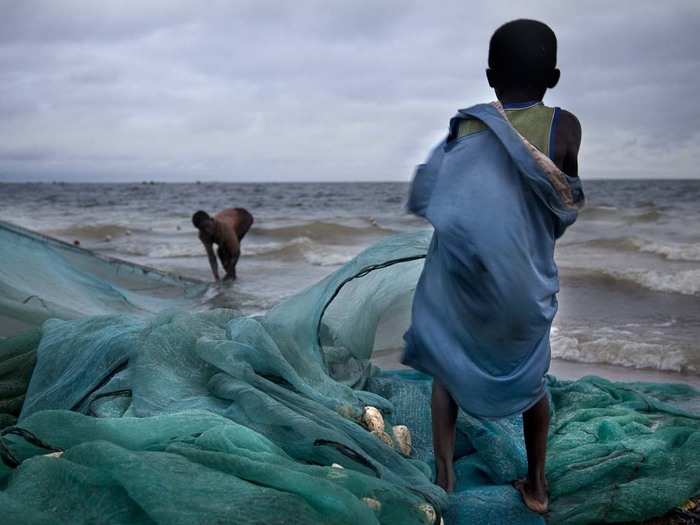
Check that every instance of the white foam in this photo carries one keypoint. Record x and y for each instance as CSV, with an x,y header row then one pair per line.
x,y
272,247
685,282
326,257
166,251
179,249
674,252
312,252
615,350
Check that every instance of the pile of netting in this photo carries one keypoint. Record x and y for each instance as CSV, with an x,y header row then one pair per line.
x,y
196,416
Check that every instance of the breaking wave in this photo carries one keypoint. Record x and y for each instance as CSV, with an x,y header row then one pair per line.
x,y
92,231
323,231
630,216
669,251
674,252
299,248
686,282
304,247
612,348
599,212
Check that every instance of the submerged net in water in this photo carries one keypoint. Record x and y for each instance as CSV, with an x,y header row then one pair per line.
x,y
204,416
43,278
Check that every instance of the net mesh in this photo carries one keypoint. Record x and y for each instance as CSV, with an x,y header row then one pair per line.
x,y
42,278
186,416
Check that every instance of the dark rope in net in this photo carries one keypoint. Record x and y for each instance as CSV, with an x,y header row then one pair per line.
x,y
8,458
106,379
125,392
362,273
350,453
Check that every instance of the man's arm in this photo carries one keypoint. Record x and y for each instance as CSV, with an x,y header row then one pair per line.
x,y
209,247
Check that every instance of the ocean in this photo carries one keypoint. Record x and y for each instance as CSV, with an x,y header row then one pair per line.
x,y
629,268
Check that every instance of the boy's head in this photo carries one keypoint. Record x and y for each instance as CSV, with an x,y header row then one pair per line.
x,y
523,59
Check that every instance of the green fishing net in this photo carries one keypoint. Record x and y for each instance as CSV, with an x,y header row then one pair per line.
x,y
170,413
43,278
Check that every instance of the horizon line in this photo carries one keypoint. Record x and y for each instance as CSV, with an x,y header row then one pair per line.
x,y
147,182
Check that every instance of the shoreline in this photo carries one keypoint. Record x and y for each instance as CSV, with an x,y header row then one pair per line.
x,y
573,370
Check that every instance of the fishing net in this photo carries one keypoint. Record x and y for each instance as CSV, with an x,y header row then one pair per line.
x,y
188,416
42,278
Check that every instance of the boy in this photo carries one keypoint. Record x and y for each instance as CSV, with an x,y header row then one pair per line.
x,y
499,190
226,229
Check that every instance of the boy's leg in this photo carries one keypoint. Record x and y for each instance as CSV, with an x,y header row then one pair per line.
x,y
536,428
444,415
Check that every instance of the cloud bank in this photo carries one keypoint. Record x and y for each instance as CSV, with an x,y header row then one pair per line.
x,y
317,90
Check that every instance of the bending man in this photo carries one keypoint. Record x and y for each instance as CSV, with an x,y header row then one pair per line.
x,y
226,229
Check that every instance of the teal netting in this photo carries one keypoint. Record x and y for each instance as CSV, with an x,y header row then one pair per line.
x,y
208,417
42,278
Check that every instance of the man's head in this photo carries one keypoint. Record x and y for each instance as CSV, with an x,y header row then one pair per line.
x,y
523,59
202,221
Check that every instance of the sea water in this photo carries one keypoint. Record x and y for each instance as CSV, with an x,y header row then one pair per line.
x,y
629,268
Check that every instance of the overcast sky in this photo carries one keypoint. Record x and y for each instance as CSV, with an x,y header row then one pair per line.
x,y
306,90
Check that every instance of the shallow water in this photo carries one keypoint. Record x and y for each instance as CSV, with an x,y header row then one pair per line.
x,y
630,267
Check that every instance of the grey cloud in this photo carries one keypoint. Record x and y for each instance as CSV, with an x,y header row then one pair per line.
x,y
314,90
20,155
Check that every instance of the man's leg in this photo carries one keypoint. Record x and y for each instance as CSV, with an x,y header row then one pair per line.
x,y
231,265
225,259
536,428
444,414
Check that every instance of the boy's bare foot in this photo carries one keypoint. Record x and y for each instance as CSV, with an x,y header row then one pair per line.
x,y
445,477
535,498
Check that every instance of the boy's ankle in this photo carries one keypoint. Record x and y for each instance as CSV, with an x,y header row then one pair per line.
x,y
538,484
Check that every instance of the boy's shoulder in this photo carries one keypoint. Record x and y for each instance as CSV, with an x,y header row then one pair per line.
x,y
569,118
568,141
568,132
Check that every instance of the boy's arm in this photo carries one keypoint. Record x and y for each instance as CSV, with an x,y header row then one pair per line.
x,y
424,182
569,136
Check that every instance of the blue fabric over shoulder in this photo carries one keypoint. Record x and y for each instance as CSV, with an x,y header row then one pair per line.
x,y
484,304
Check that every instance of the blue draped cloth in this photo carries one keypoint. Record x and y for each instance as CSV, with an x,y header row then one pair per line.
x,y
485,302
